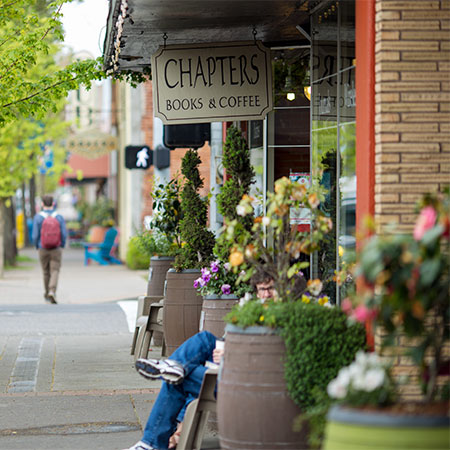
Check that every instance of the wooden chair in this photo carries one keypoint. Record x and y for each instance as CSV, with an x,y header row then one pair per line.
x,y
147,325
196,417
143,309
102,252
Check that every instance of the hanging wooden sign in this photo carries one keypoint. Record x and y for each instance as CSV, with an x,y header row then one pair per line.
x,y
215,82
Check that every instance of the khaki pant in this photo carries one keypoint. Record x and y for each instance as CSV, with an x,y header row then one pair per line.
x,y
50,263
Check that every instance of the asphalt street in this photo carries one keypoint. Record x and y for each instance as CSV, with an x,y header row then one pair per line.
x,y
67,379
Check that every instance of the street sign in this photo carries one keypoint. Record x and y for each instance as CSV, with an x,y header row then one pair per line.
x,y
138,157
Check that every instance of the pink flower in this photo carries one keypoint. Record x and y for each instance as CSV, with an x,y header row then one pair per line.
x,y
347,306
226,289
363,314
426,220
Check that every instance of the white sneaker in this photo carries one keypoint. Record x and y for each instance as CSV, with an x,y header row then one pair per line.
x,y
170,371
140,446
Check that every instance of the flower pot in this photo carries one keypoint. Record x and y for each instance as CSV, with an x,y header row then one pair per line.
x,y
358,429
214,309
253,407
159,265
182,308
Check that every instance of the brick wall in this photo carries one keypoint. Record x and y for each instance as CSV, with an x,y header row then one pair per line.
x,y
412,119
412,105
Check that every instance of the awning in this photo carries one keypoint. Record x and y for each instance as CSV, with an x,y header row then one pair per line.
x,y
136,28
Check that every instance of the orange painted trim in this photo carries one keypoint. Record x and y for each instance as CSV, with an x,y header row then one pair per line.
x,y
365,109
365,121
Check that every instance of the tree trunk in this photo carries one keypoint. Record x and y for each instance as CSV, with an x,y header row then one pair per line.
x,y
2,226
9,234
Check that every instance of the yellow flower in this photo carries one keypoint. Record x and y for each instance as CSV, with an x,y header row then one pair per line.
x,y
236,258
323,300
261,318
305,299
341,251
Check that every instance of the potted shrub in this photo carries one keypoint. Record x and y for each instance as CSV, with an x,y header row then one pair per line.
x,y
163,240
405,291
218,283
258,402
183,304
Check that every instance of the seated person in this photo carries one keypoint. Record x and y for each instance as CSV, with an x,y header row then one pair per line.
x,y
182,374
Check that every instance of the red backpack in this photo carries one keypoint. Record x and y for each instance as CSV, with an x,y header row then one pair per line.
x,y
50,231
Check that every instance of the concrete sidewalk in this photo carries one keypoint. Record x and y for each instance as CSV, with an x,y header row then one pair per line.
x,y
67,379
77,283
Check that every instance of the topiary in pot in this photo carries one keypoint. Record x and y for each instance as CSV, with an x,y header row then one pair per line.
x,y
198,241
240,176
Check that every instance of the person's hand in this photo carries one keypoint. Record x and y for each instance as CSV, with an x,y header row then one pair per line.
x,y
174,439
217,355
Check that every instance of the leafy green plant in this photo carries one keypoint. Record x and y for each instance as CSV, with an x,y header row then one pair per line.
x,y
405,286
153,243
135,258
167,214
273,245
319,342
198,241
240,176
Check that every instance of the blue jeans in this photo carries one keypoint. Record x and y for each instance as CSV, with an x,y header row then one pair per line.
x,y
172,399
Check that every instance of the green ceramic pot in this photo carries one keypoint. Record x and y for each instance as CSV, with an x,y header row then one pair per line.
x,y
356,429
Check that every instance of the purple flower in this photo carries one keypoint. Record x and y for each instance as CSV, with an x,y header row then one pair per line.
x,y
215,266
226,289
206,275
197,283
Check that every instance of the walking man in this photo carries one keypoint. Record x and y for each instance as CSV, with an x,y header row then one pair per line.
x,y
49,236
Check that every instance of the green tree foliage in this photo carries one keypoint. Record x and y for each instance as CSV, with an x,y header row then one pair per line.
x,y
198,240
28,31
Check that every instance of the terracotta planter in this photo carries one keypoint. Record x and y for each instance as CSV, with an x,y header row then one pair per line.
x,y
214,309
356,429
159,265
253,407
182,308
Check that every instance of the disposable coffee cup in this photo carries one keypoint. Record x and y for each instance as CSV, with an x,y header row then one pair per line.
x,y
220,345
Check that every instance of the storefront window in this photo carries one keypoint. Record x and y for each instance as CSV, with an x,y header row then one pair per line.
x,y
333,132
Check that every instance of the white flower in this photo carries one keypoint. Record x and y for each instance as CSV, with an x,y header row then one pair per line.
x,y
266,221
226,266
336,389
374,379
344,376
373,360
362,358
359,382
240,210
356,370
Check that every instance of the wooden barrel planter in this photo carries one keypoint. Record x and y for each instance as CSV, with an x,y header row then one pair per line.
x,y
358,429
159,265
214,309
182,308
253,407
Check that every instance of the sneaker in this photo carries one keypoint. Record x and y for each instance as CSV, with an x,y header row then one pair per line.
x,y
140,446
167,369
51,298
